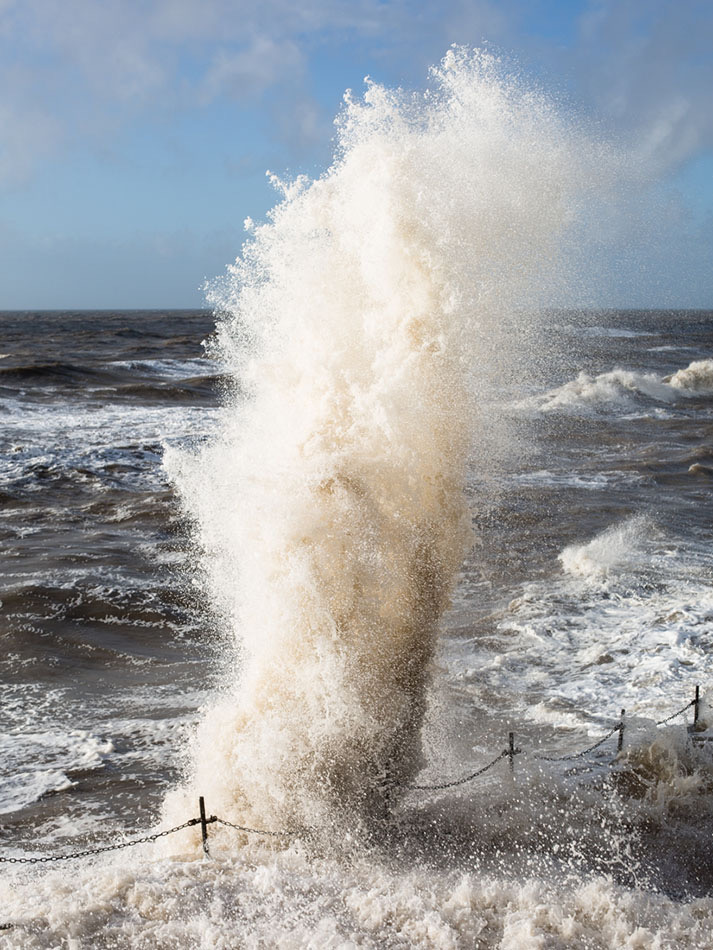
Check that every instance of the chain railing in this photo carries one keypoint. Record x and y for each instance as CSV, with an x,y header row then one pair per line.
x,y
48,858
619,728
203,821
584,752
387,787
693,702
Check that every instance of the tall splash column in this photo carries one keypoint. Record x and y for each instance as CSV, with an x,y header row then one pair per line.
x,y
364,322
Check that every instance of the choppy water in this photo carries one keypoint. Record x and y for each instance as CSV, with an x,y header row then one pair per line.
x,y
264,541
589,590
105,653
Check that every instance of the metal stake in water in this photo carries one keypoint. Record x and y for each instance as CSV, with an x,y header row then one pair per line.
x,y
696,706
620,743
204,824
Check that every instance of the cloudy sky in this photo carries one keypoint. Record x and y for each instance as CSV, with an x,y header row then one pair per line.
x,y
135,134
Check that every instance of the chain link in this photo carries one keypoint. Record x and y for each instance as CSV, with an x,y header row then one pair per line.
x,y
578,755
679,713
255,831
462,781
48,858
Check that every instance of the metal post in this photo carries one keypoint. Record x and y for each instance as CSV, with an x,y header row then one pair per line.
x,y
511,752
620,743
204,824
696,706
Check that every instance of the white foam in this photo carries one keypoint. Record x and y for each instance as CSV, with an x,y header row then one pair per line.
x,y
37,762
258,900
623,389
87,441
618,387
172,368
613,332
626,624
619,547
695,378
596,481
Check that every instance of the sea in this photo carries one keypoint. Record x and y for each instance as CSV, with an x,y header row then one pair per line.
x,y
410,582
588,591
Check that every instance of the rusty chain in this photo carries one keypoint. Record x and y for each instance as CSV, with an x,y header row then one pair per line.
x,y
462,781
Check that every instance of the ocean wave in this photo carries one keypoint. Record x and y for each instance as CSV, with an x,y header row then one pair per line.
x,y
175,368
696,378
193,389
619,547
613,332
37,762
624,390
596,481
54,372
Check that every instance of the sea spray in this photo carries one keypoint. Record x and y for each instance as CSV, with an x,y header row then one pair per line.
x,y
366,324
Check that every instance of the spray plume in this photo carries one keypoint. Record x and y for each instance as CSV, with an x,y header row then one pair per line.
x,y
365,324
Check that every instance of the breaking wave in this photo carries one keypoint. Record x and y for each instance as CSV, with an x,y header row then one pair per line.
x,y
625,389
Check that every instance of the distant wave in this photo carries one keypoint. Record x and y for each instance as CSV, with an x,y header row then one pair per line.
x,y
183,390
613,332
624,389
54,373
697,378
147,381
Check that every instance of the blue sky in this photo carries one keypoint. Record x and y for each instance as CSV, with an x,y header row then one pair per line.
x,y
135,134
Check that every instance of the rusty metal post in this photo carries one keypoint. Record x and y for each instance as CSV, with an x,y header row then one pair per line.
x,y
620,743
204,824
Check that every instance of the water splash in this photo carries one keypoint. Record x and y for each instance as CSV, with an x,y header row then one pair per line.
x,y
367,323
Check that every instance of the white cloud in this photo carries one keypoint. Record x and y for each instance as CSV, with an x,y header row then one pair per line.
x,y
102,63
648,67
96,64
252,70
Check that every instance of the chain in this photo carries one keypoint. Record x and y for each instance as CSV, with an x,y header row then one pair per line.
x,y
673,715
255,831
462,781
88,852
578,755
46,859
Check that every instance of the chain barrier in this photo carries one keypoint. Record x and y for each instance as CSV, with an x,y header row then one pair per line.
x,y
579,755
511,752
48,858
680,712
204,821
256,831
460,781
146,839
